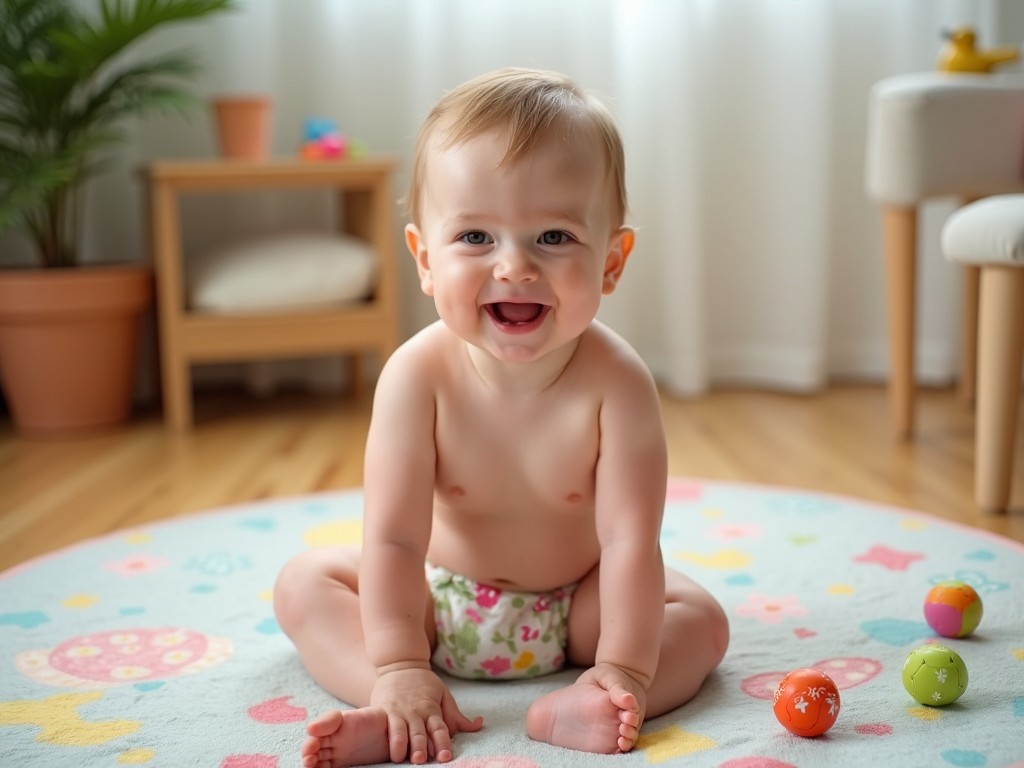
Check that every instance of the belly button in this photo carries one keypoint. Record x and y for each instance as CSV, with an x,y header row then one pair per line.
x,y
574,498
457,490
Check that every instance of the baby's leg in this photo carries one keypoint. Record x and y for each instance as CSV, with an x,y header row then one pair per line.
x,y
317,606
694,639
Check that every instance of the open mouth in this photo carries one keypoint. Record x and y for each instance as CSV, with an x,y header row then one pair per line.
x,y
515,313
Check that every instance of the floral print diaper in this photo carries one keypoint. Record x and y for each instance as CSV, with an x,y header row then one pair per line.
x,y
494,634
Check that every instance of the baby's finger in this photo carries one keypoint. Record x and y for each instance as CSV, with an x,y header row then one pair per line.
x,y
455,720
398,739
440,738
418,752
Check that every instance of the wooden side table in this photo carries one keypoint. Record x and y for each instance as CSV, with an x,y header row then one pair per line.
x,y
364,189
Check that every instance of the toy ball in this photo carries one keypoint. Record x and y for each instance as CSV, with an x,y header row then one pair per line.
x,y
953,609
806,702
935,675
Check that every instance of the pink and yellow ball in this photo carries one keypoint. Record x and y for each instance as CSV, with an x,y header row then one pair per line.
x,y
953,609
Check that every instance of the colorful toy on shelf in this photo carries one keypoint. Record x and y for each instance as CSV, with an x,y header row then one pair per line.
x,y
961,56
806,702
935,675
321,140
952,608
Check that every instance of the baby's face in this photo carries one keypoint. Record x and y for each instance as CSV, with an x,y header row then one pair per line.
x,y
517,256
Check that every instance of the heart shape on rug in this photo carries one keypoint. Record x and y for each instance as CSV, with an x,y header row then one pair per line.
x,y
26,620
845,673
896,631
277,711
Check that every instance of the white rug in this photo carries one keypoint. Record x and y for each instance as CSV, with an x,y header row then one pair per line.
x,y
158,646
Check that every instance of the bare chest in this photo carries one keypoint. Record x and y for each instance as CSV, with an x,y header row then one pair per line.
x,y
516,458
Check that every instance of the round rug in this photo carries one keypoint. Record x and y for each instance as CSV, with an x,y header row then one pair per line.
x,y
157,646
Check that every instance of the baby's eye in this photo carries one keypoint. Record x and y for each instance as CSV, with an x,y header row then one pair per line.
x,y
554,237
475,238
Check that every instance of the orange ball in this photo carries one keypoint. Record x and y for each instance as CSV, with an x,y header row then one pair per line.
x,y
806,702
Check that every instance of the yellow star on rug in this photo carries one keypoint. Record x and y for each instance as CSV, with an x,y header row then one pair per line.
x,y
671,742
330,534
723,559
60,723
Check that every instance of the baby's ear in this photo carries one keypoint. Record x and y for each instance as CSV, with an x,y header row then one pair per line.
x,y
618,253
418,248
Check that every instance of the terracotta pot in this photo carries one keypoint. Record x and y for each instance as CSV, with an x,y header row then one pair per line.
x,y
243,126
69,345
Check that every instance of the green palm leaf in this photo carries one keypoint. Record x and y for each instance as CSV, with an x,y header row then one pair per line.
x,y
64,93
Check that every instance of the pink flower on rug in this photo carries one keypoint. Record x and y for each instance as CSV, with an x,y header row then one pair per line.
x,y
136,564
771,610
893,559
487,597
475,617
732,531
497,666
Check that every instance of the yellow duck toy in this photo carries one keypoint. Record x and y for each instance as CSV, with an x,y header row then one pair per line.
x,y
960,55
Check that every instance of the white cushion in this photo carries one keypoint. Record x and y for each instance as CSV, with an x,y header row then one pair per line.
x,y
282,273
989,231
937,133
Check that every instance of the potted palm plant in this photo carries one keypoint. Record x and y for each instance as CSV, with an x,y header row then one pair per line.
x,y
68,81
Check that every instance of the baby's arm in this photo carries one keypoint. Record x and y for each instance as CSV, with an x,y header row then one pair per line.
x,y
630,496
399,478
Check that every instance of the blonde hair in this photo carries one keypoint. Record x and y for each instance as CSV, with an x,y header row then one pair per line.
x,y
526,103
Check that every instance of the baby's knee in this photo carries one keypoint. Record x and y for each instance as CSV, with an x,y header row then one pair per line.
x,y
289,589
718,627
298,587
707,617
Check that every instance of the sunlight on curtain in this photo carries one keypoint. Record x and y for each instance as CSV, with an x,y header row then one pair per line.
x,y
758,257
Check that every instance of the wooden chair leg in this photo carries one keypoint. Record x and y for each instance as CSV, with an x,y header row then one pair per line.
x,y
177,391
969,343
899,230
1000,356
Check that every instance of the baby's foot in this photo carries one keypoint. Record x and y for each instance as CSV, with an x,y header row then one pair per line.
x,y
353,737
586,717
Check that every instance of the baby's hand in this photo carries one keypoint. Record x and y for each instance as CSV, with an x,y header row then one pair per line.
x,y
422,715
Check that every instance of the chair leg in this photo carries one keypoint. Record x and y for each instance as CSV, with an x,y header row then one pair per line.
x,y
1000,356
968,385
899,229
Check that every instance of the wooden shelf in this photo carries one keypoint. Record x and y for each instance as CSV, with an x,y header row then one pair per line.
x,y
364,190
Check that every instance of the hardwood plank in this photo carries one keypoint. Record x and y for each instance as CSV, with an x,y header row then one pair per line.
x,y
53,493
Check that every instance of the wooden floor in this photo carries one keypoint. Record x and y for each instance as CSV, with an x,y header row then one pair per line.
x,y
58,492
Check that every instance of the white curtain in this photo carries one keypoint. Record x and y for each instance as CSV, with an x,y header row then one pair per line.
x,y
759,257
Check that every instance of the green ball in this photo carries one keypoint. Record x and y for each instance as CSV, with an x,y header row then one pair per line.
x,y
935,675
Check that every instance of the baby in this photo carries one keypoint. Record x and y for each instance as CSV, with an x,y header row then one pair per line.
x,y
515,466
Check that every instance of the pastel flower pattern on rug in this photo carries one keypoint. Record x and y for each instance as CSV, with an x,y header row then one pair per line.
x,y
136,565
120,657
771,610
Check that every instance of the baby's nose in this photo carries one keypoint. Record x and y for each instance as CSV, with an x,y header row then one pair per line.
x,y
515,264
